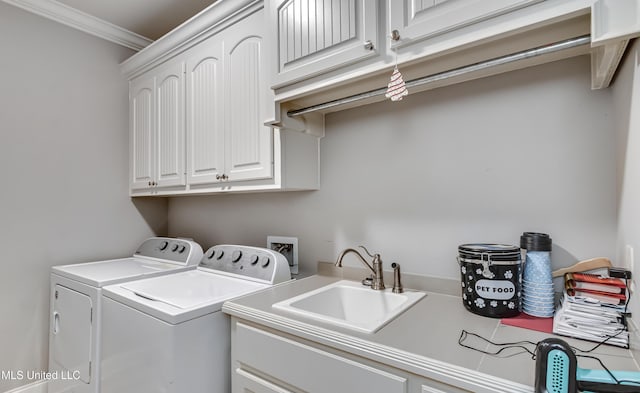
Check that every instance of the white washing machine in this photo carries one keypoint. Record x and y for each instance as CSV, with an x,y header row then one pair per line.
x,y
168,334
76,307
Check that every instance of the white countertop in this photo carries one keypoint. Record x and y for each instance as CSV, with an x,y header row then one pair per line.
x,y
424,339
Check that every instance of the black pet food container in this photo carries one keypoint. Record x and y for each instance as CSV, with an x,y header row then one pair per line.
x,y
491,275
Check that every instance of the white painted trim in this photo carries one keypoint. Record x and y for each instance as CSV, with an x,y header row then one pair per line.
x,y
212,19
35,387
613,21
79,20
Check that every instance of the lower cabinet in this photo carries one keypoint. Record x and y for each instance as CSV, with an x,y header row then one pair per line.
x,y
266,361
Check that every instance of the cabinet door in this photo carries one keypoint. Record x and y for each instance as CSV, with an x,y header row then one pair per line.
x,y
170,157
422,19
205,112
316,36
72,319
141,118
249,143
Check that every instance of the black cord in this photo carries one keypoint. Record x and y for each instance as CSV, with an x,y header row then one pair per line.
x,y
602,365
519,344
575,349
618,381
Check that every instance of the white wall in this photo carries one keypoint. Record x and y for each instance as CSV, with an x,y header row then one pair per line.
x,y
483,161
64,159
626,100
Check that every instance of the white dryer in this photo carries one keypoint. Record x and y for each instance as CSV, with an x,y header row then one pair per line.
x,y
168,334
76,307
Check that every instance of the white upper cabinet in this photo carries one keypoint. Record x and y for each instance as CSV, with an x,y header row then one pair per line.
x,y
170,126
141,119
416,20
199,101
316,36
249,153
226,106
434,43
205,113
157,128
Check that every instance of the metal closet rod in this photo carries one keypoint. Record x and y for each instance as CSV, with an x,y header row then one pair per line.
x,y
526,54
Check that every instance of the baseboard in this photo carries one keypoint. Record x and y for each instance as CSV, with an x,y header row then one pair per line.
x,y
35,387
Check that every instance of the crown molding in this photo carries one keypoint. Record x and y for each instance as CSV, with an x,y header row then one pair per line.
x,y
218,16
79,20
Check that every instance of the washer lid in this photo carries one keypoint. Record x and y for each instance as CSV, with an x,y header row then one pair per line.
x,y
113,271
179,297
191,289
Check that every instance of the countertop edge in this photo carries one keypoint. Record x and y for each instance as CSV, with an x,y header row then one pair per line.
x,y
426,367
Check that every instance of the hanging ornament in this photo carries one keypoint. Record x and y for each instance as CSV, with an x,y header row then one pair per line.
x,y
396,88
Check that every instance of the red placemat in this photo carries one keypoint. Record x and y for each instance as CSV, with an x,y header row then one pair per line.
x,y
526,321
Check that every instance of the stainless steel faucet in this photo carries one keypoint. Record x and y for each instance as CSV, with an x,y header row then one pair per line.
x,y
376,269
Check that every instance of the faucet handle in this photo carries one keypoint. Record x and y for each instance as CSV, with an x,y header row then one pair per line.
x,y
367,251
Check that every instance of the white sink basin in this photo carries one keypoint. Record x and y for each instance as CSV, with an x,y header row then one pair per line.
x,y
351,305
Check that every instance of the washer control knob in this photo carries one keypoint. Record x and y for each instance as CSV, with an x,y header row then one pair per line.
x,y
164,245
266,261
175,248
254,259
182,249
213,252
235,257
220,254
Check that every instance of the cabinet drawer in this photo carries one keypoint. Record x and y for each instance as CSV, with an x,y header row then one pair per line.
x,y
308,368
249,383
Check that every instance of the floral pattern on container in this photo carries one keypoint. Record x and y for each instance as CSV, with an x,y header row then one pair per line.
x,y
491,287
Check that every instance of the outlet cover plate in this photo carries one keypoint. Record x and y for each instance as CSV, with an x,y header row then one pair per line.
x,y
292,257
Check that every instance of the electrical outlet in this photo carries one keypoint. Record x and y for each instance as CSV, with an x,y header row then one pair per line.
x,y
629,264
287,246
628,258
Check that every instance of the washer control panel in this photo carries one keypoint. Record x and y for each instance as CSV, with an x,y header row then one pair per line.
x,y
182,251
255,263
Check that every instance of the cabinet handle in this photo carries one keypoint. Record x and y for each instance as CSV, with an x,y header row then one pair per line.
x,y
368,45
56,322
149,183
395,35
224,177
218,177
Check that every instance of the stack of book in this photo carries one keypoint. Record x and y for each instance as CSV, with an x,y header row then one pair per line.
x,y
593,308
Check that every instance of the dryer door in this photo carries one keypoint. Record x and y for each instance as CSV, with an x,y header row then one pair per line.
x,y
72,318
